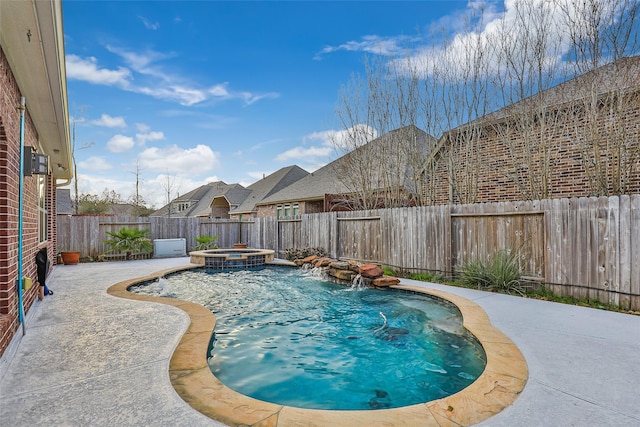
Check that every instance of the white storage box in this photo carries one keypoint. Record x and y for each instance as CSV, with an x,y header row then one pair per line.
x,y
166,248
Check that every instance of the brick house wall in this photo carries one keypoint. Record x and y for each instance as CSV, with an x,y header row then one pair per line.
x,y
9,203
489,166
308,207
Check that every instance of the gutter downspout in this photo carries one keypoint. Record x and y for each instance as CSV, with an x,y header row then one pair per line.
x,y
22,108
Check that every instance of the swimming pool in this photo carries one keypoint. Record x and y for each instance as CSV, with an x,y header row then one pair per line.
x,y
499,385
287,337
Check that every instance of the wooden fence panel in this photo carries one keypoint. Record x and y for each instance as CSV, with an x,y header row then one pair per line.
x,y
634,265
624,258
586,247
502,227
263,234
359,235
289,234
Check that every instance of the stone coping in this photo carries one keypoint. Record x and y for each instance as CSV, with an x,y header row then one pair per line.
x,y
501,382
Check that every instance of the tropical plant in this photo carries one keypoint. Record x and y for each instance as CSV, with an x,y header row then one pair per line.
x,y
129,240
206,242
500,272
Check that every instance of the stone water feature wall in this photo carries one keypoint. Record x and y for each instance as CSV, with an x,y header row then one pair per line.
x,y
349,272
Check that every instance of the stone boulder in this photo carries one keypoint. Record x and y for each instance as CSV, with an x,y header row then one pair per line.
x,y
370,271
354,265
323,262
310,259
340,265
386,281
346,275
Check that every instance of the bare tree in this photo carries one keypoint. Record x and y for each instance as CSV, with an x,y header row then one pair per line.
x,y
378,112
74,148
529,45
137,200
466,95
602,34
170,187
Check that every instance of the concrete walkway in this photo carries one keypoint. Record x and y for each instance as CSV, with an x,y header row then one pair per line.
x,y
89,359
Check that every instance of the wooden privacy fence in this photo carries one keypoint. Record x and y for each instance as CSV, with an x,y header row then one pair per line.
x,y
87,233
582,247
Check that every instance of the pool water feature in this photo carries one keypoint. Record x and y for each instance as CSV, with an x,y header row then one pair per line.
x,y
293,339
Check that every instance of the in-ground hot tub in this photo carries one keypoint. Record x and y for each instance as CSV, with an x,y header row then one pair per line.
x,y
232,258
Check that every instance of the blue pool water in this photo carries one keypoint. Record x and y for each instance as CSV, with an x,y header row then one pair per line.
x,y
288,337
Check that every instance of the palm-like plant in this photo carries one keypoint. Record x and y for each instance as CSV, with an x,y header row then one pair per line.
x,y
129,240
206,242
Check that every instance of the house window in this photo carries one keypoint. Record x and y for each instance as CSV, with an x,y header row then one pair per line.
x,y
296,209
278,211
287,210
42,208
182,206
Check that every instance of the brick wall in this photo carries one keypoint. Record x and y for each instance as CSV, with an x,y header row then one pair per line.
x,y
573,154
9,203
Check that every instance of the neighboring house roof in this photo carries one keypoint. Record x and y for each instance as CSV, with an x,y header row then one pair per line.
x,y
269,185
326,180
64,206
199,200
32,38
623,74
234,195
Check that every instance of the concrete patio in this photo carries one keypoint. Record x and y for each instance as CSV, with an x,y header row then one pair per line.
x,y
92,359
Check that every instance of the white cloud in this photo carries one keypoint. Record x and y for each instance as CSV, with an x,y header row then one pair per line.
x,y
328,143
87,69
148,24
141,127
377,45
257,176
176,88
177,160
250,98
96,184
304,153
95,164
142,62
152,80
219,91
520,28
345,139
155,189
120,143
110,122
143,138
181,95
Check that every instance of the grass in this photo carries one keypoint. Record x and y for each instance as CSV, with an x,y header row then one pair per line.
x,y
501,274
546,294
431,277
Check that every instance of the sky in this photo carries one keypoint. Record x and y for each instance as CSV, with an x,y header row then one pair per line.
x,y
176,94
182,93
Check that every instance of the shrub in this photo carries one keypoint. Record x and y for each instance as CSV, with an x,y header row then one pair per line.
x,y
300,253
500,273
